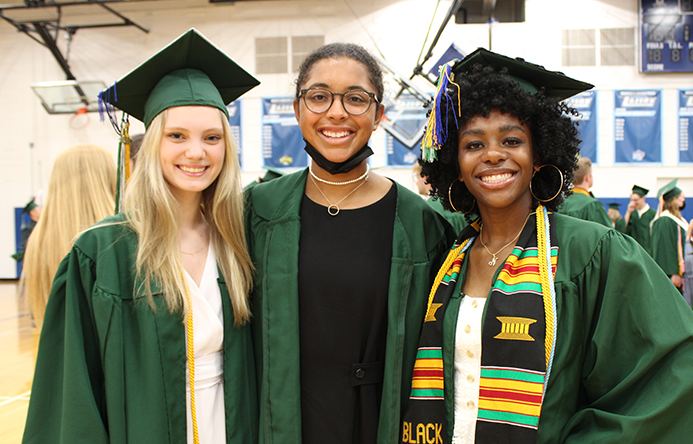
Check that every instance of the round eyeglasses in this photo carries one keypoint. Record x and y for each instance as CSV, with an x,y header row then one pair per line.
x,y
355,102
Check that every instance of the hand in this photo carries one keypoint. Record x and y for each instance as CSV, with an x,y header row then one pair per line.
x,y
676,280
631,207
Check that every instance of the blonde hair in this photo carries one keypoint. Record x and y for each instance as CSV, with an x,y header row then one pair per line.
x,y
153,212
672,206
584,167
80,193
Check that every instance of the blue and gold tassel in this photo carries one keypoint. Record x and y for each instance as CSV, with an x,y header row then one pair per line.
x,y
436,130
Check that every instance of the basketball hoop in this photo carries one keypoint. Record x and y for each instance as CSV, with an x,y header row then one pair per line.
x,y
79,119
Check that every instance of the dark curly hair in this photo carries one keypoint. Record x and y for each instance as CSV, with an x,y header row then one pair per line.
x,y
343,50
554,136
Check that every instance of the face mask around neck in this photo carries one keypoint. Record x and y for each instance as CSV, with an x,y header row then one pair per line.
x,y
341,167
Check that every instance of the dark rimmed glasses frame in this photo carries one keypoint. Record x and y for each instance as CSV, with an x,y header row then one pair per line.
x,y
353,101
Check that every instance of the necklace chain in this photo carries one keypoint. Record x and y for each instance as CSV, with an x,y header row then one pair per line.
x,y
333,209
492,262
361,177
192,254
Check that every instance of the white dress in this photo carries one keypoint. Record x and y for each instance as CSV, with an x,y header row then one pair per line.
x,y
208,337
467,369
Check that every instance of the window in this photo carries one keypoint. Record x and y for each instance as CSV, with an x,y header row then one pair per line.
x,y
579,47
617,47
272,53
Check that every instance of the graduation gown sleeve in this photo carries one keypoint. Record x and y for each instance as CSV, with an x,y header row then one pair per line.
x,y
68,378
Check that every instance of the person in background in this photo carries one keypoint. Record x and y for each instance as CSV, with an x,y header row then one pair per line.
x,y
81,192
669,233
146,336
456,219
688,262
540,328
34,212
615,215
343,258
639,217
581,203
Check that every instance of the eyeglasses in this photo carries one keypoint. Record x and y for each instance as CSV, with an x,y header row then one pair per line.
x,y
355,102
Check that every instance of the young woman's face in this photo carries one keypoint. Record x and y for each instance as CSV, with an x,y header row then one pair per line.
x,y
496,160
192,148
336,134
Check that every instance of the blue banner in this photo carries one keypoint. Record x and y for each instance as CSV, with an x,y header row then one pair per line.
x,y
638,126
586,104
685,125
282,142
234,109
404,123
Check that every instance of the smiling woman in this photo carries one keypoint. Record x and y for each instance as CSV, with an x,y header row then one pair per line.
x,y
145,337
343,256
549,329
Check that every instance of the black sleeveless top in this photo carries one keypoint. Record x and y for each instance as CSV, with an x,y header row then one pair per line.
x,y
343,277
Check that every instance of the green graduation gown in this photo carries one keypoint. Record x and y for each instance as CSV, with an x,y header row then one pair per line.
x,y
457,220
273,227
639,227
668,239
583,206
623,365
620,225
112,370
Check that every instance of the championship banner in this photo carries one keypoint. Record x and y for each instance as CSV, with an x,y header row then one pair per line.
x,y
685,125
404,123
234,109
586,104
638,126
282,142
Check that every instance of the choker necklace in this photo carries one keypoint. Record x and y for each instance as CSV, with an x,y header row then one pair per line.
x,y
333,209
310,169
492,262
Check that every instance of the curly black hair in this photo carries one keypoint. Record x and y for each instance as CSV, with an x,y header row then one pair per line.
x,y
554,136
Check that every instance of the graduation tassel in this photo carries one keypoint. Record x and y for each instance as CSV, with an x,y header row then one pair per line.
x,y
436,130
123,161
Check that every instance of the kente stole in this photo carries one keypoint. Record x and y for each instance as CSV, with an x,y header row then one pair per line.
x,y
518,342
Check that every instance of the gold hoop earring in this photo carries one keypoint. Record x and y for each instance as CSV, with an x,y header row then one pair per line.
x,y
453,205
560,188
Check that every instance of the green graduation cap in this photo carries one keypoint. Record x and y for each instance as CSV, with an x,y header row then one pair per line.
x,y
531,77
614,205
189,71
669,191
640,191
30,206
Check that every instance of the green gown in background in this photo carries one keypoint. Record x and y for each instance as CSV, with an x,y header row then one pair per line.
x,y
112,370
623,365
639,227
620,225
583,206
667,241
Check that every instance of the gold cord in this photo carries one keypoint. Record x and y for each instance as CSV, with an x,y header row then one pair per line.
x,y
545,267
492,262
191,358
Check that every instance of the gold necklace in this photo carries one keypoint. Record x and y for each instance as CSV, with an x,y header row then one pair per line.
x,y
492,262
192,254
333,209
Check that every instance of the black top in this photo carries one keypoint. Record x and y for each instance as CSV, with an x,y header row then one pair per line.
x,y
343,277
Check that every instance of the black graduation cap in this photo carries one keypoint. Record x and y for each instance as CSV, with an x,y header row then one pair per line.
x,y
640,191
189,71
531,77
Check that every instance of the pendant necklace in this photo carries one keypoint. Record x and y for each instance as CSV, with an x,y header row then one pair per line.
x,y
333,208
492,262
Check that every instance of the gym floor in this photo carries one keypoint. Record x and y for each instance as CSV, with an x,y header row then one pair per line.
x,y
18,346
